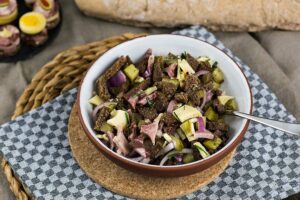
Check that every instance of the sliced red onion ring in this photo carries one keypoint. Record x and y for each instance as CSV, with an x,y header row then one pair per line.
x,y
148,71
203,101
207,134
201,126
117,80
110,136
95,111
201,72
164,160
178,158
150,63
184,151
148,53
209,95
166,149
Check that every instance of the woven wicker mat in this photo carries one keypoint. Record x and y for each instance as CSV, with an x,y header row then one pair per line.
x,y
61,74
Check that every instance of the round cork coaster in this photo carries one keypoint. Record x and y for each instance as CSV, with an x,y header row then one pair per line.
x,y
124,182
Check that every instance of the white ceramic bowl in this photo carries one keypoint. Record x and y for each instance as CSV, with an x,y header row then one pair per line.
x,y
235,84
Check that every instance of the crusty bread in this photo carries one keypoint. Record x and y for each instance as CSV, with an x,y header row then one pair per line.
x,y
227,15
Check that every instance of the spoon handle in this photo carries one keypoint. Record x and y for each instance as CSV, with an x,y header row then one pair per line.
x,y
283,126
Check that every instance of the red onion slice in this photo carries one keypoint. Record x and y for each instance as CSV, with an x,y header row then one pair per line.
x,y
166,149
110,136
116,80
201,72
166,157
203,101
150,60
207,134
209,95
148,71
201,126
178,158
95,111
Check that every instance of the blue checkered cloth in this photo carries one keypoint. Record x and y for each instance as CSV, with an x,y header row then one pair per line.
x,y
266,165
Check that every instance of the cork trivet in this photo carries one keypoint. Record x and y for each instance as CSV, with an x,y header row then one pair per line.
x,y
121,181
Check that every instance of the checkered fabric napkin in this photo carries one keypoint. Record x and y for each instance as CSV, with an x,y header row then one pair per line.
x,y
266,165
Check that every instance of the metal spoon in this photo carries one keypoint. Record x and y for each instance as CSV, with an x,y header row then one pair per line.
x,y
283,126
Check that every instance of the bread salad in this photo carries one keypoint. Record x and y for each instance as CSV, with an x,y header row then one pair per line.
x,y
162,110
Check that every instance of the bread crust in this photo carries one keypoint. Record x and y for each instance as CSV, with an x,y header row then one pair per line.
x,y
225,15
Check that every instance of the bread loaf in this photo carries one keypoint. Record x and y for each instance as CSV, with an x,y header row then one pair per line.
x,y
226,15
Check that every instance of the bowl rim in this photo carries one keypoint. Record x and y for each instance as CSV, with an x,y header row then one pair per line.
x,y
212,159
